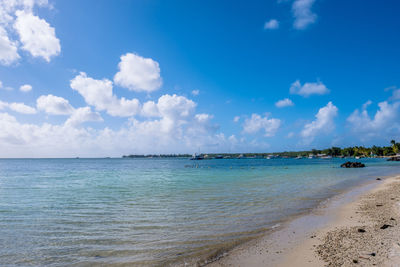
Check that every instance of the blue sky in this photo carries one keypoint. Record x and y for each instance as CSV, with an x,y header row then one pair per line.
x,y
110,78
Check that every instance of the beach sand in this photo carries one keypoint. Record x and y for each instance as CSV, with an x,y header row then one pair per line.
x,y
358,228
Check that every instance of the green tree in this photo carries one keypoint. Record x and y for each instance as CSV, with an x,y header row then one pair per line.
x,y
336,151
395,146
376,150
388,151
348,152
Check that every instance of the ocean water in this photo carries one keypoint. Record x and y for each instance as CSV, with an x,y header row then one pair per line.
x,y
155,212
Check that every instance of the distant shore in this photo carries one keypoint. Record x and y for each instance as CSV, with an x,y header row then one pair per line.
x,y
358,227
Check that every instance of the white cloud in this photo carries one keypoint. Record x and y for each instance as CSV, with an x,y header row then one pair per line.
x,y
284,103
203,117
175,106
8,8
257,123
54,105
308,89
36,35
138,74
236,119
8,49
303,16
21,108
25,88
17,107
395,94
384,123
367,104
150,109
99,93
323,123
177,129
82,115
271,24
3,105
195,92
46,140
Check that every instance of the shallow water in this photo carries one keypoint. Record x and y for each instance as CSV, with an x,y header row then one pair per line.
x,y
155,211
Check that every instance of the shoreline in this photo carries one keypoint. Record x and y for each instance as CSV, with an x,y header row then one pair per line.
x,y
317,238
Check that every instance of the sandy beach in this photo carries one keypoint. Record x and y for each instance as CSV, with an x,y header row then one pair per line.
x,y
359,227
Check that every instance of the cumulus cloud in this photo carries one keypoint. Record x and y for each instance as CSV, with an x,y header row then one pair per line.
x,y
99,93
25,88
176,129
257,123
236,119
150,109
272,24
175,106
196,92
138,74
308,89
303,16
36,35
323,123
82,115
3,105
286,102
384,122
395,92
18,107
22,108
8,49
45,140
174,111
54,105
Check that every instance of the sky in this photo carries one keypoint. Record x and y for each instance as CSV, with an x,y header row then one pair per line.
x,y
110,78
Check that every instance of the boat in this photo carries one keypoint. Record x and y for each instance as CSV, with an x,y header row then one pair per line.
x,y
197,157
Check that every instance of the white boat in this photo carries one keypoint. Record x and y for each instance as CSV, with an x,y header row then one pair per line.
x,y
197,157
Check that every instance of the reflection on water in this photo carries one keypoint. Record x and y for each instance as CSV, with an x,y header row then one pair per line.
x,y
154,211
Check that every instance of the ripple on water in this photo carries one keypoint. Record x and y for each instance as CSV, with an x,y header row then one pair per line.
x,y
154,211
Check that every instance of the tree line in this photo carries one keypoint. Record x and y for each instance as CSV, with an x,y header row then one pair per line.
x,y
355,151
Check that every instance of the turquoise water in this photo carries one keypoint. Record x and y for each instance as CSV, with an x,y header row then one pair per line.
x,y
64,212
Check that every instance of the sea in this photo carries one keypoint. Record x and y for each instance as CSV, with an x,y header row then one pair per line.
x,y
157,211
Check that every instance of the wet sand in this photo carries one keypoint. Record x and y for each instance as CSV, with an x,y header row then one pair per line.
x,y
357,228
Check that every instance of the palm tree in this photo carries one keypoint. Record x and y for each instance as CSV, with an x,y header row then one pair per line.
x,y
395,146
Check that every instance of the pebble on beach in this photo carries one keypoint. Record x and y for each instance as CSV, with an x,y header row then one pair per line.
x,y
347,246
